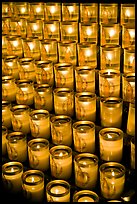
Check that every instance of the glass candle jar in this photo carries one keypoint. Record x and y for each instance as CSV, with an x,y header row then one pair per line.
x,y
85,106
31,48
11,66
9,89
69,30
40,123
36,10
22,9
4,140
64,75
128,86
85,196
127,13
52,30
112,180
111,144
6,114
36,27
6,25
84,136
63,101
14,46
49,50
58,191
61,130
12,176
15,29
43,97
53,11
109,83
85,78
70,11
109,34
67,52
17,146
88,32
131,119
108,13
89,12
38,154
20,118
129,60
4,45
6,9
111,110
22,27
33,185
128,36
61,162
132,153
87,54
27,69
25,92
110,57
86,170
44,72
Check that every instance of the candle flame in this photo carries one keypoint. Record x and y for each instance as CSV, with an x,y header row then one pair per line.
x,y
38,9
112,32
89,31
132,58
35,27
31,45
88,53
109,136
127,13
52,9
113,173
60,154
53,28
23,10
47,48
12,169
32,179
70,30
109,56
71,9
132,33
15,43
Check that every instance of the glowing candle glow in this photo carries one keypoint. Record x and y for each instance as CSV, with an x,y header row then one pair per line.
x,y
112,180
58,191
33,185
111,144
6,114
4,140
12,176
61,162
131,119
85,196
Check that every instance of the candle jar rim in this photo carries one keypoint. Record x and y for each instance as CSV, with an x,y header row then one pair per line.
x,y
30,39
62,117
110,47
53,183
69,22
7,78
86,44
111,101
40,87
38,140
69,4
128,75
118,133
82,156
46,40
81,95
129,25
117,165
51,21
8,58
67,42
86,23
60,90
83,122
104,73
13,137
5,103
26,60
89,193
12,164
108,4
110,25
64,65
35,173
4,128
40,111
127,5
20,106
54,149
130,49
84,68
41,63
24,82
13,37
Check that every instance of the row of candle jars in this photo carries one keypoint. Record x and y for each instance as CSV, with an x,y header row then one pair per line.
x,y
85,12
32,182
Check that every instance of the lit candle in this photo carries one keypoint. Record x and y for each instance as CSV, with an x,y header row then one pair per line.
x,y
6,114
58,191
86,170
52,11
131,119
64,101
85,106
127,13
128,36
17,146
111,144
61,162
84,136
109,83
38,153
111,110
4,140
12,176
69,30
20,118
61,130
112,180
85,196
33,185
40,123
70,12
